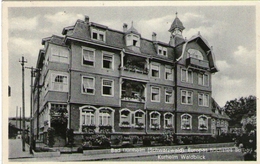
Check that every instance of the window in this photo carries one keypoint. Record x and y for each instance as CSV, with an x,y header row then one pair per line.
x,y
104,119
59,82
155,94
162,51
203,122
186,97
108,61
98,34
88,57
186,121
107,87
155,120
59,54
203,99
169,96
133,40
155,71
139,119
195,54
125,118
168,120
88,85
88,117
186,76
203,79
168,74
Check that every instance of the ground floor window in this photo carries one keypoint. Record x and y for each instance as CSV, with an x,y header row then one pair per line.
x,y
155,120
139,119
186,121
203,122
168,120
125,118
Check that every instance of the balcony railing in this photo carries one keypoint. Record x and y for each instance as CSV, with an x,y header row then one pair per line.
x,y
197,63
133,98
135,69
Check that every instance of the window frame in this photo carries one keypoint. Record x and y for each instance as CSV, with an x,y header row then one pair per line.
x,y
158,118
172,120
82,78
53,77
143,118
186,80
206,122
98,32
82,56
165,73
158,93
203,99
112,62
159,72
190,121
203,79
112,88
165,92
120,117
186,97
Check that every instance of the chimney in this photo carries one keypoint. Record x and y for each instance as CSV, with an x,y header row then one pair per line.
x,y
86,19
154,36
124,27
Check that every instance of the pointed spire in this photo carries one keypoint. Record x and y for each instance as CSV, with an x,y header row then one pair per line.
x,y
176,24
132,30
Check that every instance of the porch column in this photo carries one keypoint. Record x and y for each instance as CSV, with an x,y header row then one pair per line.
x,y
122,55
49,114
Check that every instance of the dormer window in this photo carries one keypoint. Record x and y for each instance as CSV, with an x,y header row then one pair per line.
x,y
133,40
98,34
162,51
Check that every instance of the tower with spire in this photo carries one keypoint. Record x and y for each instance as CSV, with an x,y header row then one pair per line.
x,y
176,32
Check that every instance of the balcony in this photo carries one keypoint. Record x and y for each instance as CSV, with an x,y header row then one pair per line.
x,y
133,91
197,64
134,67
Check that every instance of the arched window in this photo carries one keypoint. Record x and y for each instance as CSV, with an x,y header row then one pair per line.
x,y
203,122
125,118
139,119
168,120
87,117
186,121
193,53
155,120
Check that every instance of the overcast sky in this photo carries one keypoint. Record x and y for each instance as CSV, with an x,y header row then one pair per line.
x,y
231,30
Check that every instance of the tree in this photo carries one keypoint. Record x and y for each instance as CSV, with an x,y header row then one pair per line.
x,y
241,108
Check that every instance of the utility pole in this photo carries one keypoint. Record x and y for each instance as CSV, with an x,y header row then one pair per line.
x,y
33,70
16,116
20,119
22,63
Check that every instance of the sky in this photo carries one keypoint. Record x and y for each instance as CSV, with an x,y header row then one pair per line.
x,y
231,30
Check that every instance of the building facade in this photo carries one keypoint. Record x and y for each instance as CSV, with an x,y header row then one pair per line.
x,y
101,80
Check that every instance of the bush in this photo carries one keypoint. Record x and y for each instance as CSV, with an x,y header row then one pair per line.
x,y
51,135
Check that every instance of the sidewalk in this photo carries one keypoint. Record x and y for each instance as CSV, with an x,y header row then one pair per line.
x,y
15,149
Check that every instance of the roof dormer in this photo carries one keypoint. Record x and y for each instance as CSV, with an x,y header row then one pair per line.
x,y
132,38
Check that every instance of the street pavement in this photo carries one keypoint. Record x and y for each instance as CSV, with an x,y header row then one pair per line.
x,y
16,149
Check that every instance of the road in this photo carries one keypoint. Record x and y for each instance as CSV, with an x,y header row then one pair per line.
x,y
208,156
